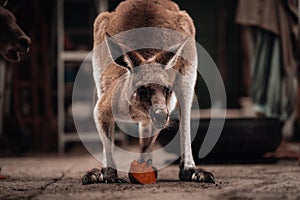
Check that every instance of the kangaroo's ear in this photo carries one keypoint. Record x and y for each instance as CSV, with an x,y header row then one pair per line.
x,y
169,57
3,3
121,54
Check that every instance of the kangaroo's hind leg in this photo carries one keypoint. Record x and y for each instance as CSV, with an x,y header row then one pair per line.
x,y
105,125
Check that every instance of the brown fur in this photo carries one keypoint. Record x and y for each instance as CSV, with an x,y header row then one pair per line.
x,y
155,13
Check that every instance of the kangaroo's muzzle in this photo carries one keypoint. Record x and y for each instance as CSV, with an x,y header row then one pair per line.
x,y
159,115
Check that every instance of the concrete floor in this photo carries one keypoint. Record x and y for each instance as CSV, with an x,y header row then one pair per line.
x,y
51,177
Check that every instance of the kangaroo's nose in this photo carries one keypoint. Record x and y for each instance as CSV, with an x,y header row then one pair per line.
x,y
24,43
159,116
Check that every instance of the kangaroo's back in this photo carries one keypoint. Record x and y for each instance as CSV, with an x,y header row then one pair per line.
x,y
133,14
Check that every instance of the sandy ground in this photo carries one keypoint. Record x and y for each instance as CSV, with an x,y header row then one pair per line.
x,y
51,177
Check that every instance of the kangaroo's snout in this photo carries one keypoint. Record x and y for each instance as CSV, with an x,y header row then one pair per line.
x,y
24,43
159,115
14,42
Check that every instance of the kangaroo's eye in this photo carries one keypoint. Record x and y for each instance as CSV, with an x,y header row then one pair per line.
x,y
168,92
143,92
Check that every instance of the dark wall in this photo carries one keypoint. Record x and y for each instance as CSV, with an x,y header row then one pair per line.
x,y
220,36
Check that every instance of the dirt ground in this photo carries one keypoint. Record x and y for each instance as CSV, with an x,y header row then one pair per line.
x,y
52,177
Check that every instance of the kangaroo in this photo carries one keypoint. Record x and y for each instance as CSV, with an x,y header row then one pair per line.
x,y
13,41
150,103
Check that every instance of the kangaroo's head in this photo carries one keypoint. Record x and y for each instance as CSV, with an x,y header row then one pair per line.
x,y
150,79
13,41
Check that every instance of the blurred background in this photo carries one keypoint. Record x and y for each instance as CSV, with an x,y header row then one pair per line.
x,y
36,93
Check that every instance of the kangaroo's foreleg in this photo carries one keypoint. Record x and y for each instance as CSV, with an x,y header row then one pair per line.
x,y
148,135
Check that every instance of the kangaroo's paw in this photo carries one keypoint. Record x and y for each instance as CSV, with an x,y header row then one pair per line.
x,y
196,175
111,176
93,176
105,175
